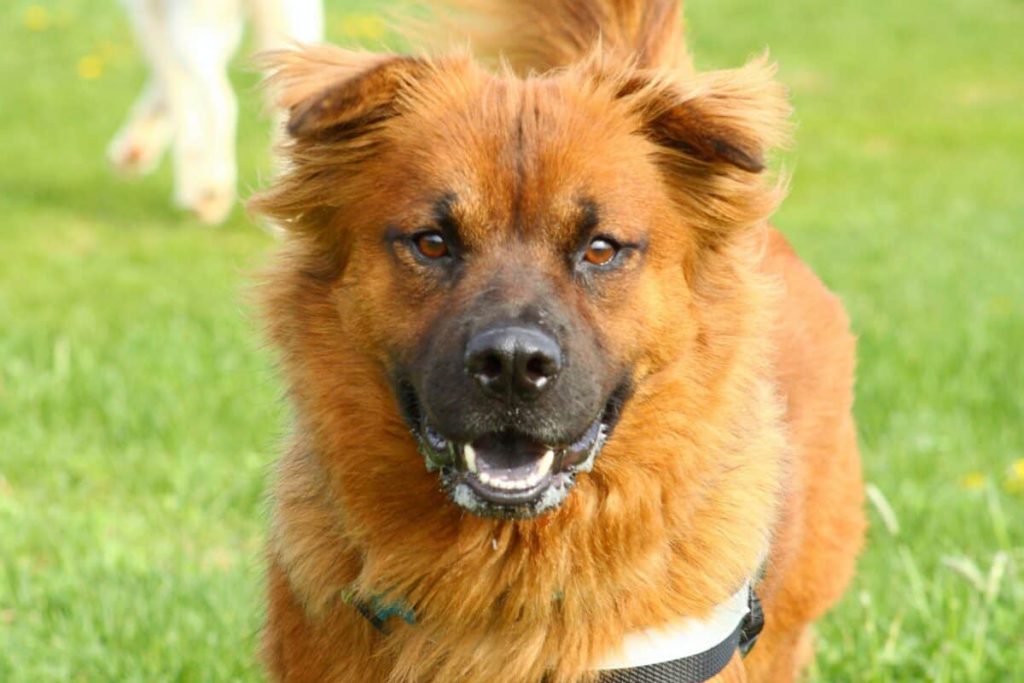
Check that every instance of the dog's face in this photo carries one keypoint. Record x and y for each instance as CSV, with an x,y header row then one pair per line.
x,y
519,258
514,255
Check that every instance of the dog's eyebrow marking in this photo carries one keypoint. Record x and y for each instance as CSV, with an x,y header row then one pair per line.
x,y
444,217
586,221
442,212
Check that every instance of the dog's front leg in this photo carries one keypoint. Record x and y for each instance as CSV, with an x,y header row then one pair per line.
x,y
281,23
204,36
146,133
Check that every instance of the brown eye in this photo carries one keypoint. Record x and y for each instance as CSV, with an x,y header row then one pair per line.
x,y
431,245
600,251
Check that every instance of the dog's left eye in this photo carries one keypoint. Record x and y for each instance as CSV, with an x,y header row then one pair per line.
x,y
601,251
431,245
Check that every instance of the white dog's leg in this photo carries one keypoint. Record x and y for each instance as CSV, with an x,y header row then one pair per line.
x,y
278,23
284,23
145,135
204,34
281,24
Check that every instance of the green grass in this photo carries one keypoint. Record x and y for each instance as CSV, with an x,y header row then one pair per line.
x,y
139,413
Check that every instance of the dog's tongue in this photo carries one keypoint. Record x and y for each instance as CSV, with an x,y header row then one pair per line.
x,y
510,455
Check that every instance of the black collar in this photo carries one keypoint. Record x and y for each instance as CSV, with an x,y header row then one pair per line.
x,y
700,667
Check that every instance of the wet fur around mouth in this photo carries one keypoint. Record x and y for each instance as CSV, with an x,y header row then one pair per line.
x,y
470,489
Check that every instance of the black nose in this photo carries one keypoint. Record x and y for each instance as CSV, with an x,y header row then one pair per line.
x,y
513,362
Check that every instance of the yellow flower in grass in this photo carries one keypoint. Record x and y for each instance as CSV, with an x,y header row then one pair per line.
x,y
1015,478
973,481
90,67
37,18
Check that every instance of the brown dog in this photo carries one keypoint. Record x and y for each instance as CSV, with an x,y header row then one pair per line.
x,y
556,381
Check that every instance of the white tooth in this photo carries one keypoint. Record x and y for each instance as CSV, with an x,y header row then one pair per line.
x,y
470,455
544,466
484,477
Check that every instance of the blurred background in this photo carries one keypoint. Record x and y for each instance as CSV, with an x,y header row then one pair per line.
x,y
140,414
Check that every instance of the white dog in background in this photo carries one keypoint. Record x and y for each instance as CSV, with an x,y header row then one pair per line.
x,y
188,103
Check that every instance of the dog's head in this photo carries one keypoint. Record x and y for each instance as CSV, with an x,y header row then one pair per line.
x,y
512,257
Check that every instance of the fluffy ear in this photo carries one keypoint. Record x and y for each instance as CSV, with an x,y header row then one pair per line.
x,y
720,118
334,101
326,89
712,132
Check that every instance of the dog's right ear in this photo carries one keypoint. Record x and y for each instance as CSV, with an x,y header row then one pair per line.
x,y
334,102
331,92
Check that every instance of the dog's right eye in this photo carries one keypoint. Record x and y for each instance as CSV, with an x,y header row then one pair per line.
x,y
431,245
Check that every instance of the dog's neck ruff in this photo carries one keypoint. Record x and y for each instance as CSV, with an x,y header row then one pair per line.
x,y
689,650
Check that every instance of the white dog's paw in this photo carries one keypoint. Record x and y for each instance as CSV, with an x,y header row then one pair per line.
x,y
137,149
211,205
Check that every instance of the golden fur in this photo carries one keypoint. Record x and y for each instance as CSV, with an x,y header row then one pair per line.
x,y
737,448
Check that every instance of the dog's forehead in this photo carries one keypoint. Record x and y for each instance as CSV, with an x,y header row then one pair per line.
x,y
531,156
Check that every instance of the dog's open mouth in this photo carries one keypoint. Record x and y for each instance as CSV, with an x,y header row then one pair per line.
x,y
512,469
508,473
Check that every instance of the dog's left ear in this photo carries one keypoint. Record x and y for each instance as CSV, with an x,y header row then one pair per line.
x,y
712,132
728,118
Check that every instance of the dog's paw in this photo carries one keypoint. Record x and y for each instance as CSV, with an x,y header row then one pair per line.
x,y
211,205
137,149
